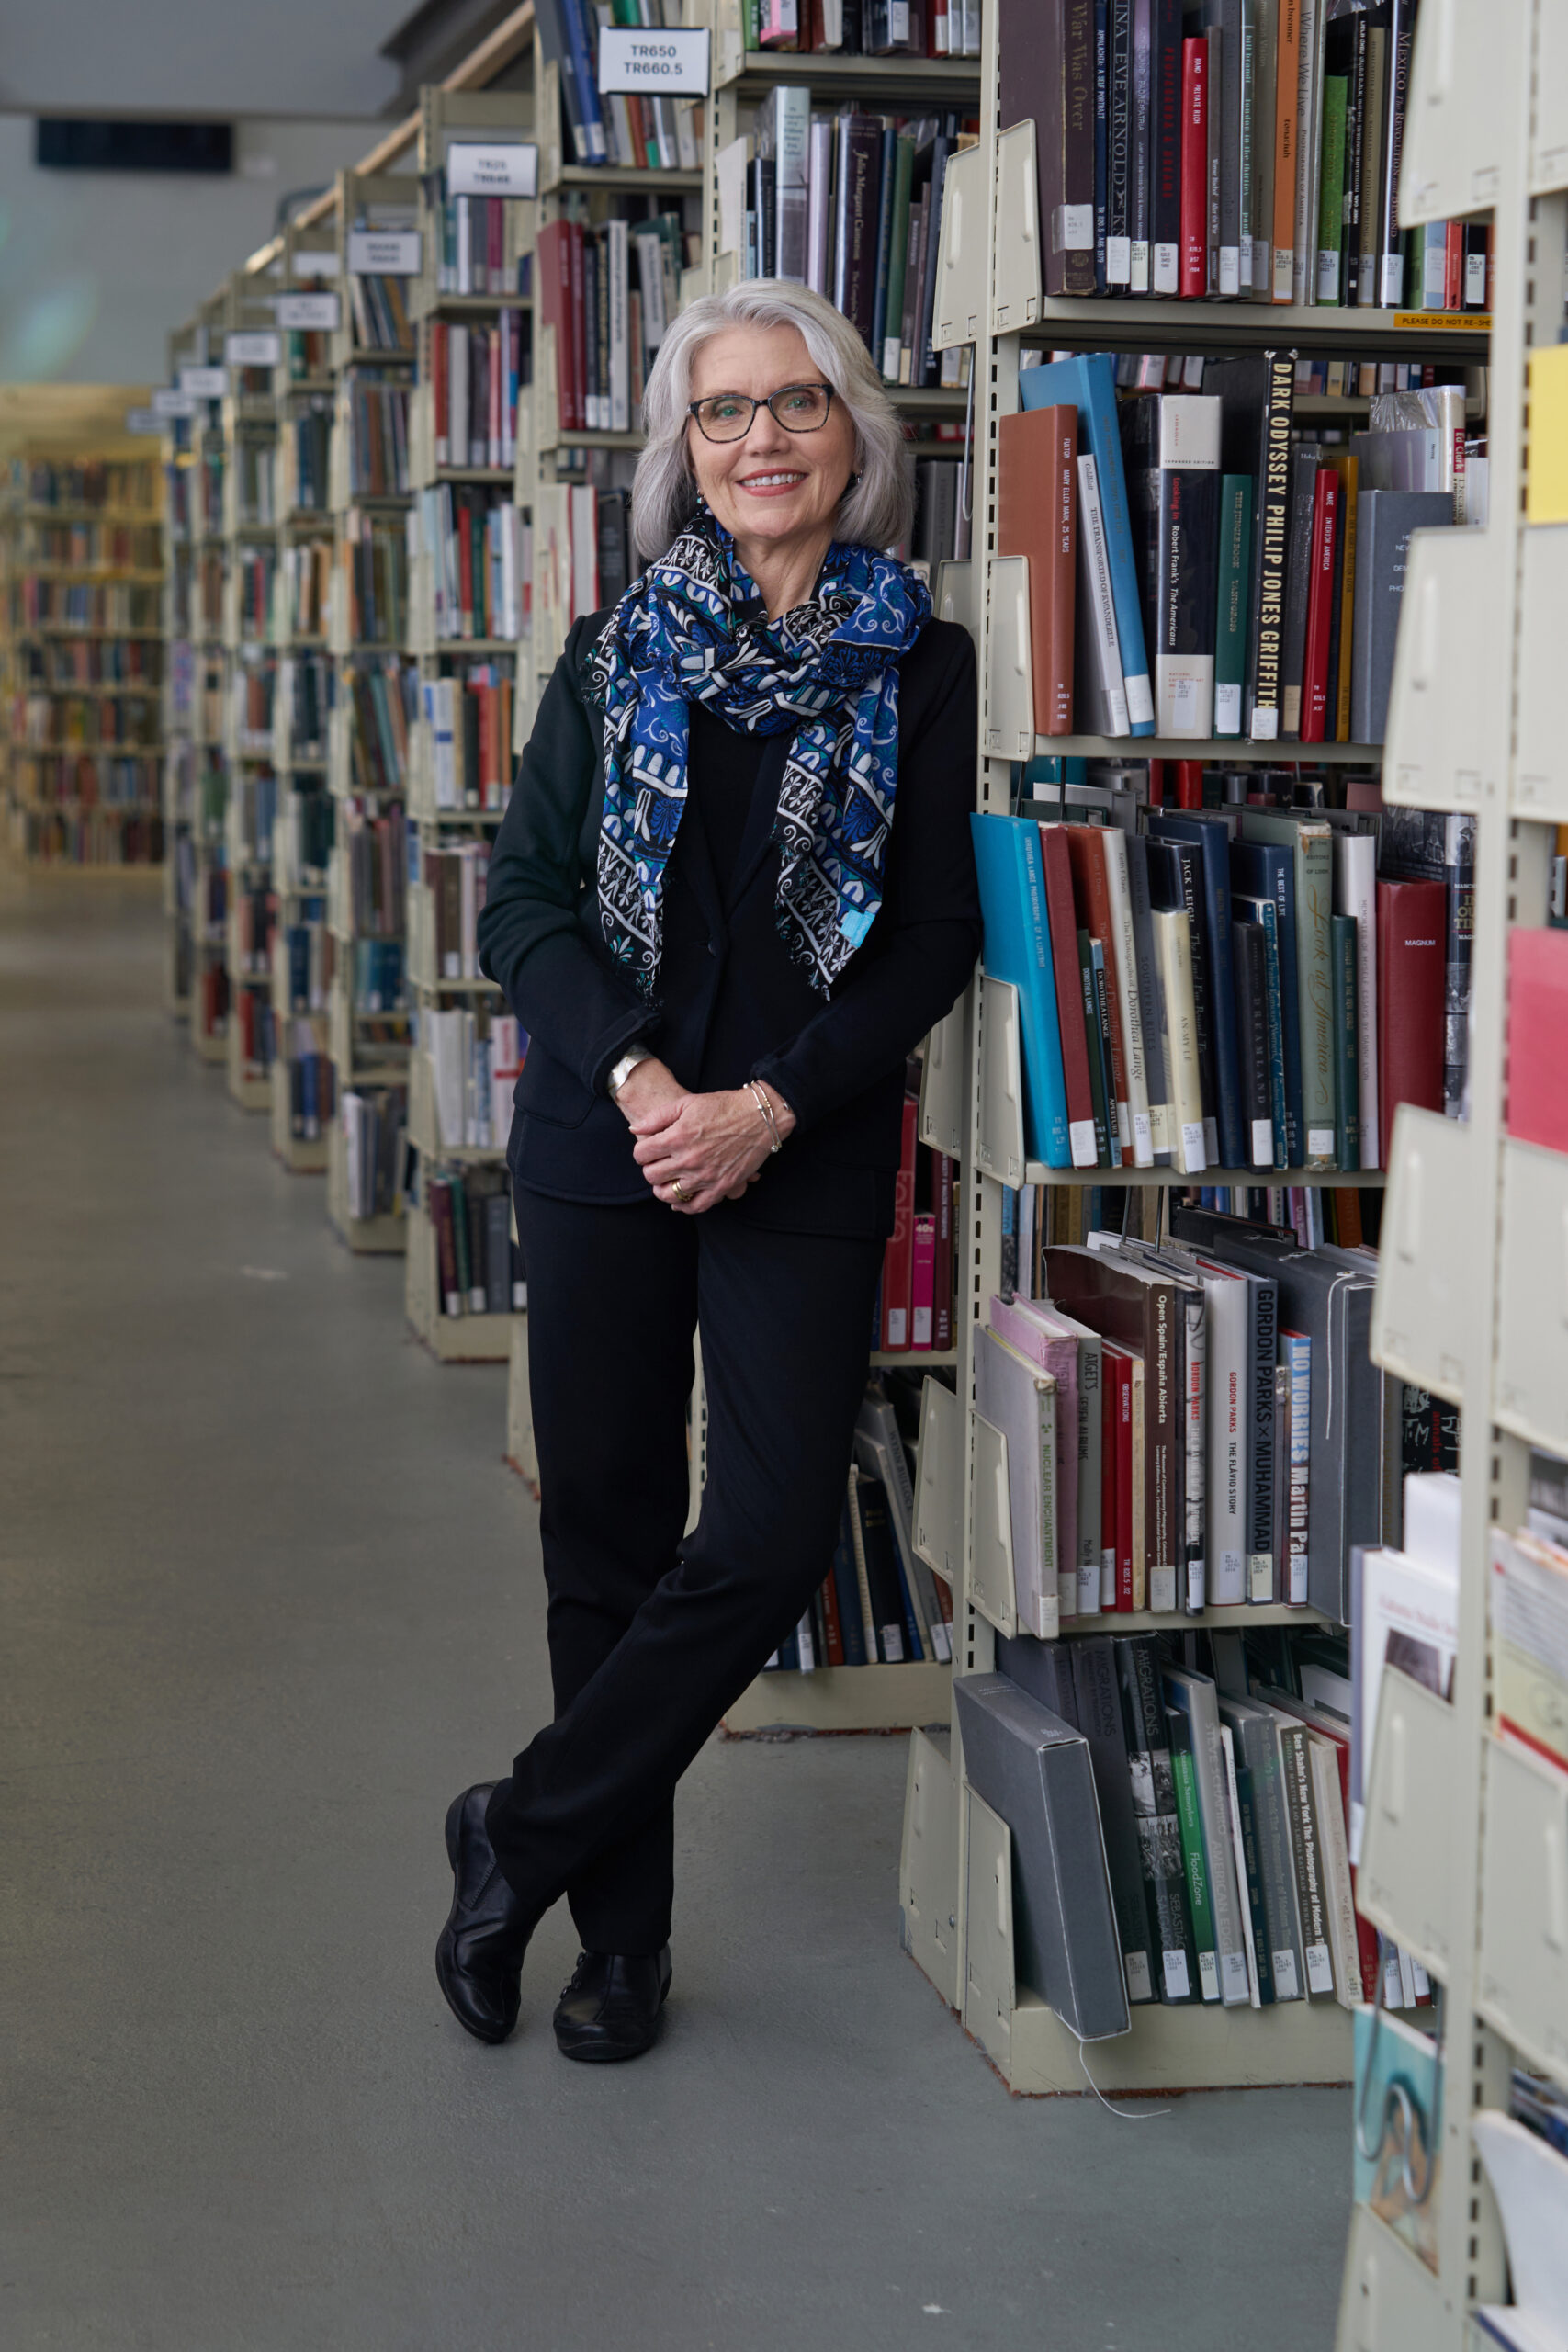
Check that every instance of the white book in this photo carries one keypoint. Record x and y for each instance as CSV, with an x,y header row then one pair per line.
x,y
511,562
585,551
1173,953
1355,894
687,152
788,113
729,166
618,251
443,1042
818,217
1129,1000
1406,1613
464,266
651,277
1019,1400
1095,578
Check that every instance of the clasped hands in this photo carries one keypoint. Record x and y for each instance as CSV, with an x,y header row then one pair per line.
x,y
711,1146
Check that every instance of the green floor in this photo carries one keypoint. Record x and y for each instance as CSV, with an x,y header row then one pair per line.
x,y
268,1598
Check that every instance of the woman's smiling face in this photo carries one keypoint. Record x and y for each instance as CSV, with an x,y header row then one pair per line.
x,y
772,488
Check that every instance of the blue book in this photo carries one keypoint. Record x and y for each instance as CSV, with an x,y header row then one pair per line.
x,y
846,1585
1267,870
1265,914
1088,382
581,46
1018,948
1209,837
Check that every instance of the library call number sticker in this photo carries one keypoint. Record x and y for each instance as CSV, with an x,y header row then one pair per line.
x,y
475,170
674,63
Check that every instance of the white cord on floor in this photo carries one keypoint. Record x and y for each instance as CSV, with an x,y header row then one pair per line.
x,y
1124,2115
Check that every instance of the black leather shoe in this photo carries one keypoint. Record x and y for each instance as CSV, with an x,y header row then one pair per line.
x,y
610,2008
479,1956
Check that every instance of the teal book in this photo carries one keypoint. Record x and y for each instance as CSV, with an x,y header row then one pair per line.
x,y
1196,1867
1230,629
1266,914
1399,2128
1347,1064
1018,948
1331,190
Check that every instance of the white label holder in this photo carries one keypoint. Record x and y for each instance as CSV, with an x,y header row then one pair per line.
x,y
260,349
478,168
170,402
384,253
310,312
675,63
205,383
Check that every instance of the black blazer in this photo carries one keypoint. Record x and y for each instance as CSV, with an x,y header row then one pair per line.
x,y
731,1003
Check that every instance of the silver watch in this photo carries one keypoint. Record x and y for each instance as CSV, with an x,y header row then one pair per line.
x,y
624,1067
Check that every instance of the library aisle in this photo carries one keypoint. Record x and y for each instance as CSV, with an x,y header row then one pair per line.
x,y
270,1596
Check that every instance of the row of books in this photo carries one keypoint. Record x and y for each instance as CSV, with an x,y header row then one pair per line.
x,y
252,931
375,1132
308,958
475,376
379,989
50,605
254,570
1035,1216
95,780
251,688
384,698
95,481
49,719
1200,1812
864,27
473,537
257,1026
312,1082
303,837
376,413
255,484
92,547
372,552
608,290
479,1265
1197,570
453,873
1225,153
307,354
943,487
374,849
589,562
303,698
469,718
850,205
914,1300
879,1604
90,837
306,569
476,1060
93,662
305,439
648,134
475,240
1284,983
380,309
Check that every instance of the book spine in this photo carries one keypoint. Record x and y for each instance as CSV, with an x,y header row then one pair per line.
x,y
1331,192
1091,1368
1095,563
1320,606
1165,82
1129,1006
1195,1868
1344,951
1231,602
1193,281
1057,872
1065,151
1173,951
944,1175
1107,1145
1296,1347
1287,129
1271,527
1142,962
1315,907
1101,66
1311,1907
897,1264
1252,1041
1096,402
1117,242
1261,1970
1264,1341
1268,915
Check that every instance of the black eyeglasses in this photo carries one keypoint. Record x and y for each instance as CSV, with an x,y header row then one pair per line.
x,y
728,416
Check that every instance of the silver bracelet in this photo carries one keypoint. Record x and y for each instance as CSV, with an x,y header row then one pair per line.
x,y
766,1109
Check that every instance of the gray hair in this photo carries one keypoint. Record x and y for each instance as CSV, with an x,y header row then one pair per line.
x,y
879,508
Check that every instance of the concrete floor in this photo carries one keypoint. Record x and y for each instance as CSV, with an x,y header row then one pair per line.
x,y
269,1597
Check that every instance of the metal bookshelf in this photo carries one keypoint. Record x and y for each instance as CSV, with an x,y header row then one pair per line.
x,y
956,1865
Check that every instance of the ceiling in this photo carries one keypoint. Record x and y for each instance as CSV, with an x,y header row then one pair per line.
x,y
189,57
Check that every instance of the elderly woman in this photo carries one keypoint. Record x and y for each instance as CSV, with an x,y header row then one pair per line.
x,y
733,889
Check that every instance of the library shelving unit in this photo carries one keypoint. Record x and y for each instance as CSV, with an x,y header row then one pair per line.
x,y
372,364
955,1863
200,345
251,559
466,655
1465,1836
841,1698
180,771
82,551
302,393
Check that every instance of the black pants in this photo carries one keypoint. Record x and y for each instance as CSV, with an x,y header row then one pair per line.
x,y
653,1634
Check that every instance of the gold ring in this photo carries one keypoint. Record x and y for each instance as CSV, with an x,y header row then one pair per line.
x,y
675,1188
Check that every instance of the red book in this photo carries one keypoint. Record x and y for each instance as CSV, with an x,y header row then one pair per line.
x,y
1453,266
552,263
578,324
1091,896
1538,1023
496,245
943,1174
1194,279
1062,923
832,1631
922,1282
1156,785
1413,920
898,1261
1036,516
1320,605
1188,784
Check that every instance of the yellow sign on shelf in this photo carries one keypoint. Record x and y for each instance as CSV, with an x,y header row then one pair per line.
x,y
1546,485
1456,322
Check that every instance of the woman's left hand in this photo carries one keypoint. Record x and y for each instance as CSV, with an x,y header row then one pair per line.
x,y
713,1148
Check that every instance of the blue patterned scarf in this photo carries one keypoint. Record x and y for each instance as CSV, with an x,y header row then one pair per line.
x,y
694,628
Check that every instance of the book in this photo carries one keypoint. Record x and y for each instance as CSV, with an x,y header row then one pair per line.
x,y
1085,1142
1171,451
1537,1022
1099,1715
1046,72
1155,1813
1420,845
1179,1732
1310,842
1017,949
1034,1334
1258,395
1193,1696
1020,1399
1036,515
1411,918
1385,519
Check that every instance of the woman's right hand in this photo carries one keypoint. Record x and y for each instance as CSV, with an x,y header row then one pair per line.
x,y
650,1098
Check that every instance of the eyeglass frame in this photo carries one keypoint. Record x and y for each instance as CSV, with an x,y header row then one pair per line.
x,y
812,384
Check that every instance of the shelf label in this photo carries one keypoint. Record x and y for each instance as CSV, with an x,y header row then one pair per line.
x,y
167,401
143,420
324,263
308,311
476,169
384,253
1454,321
263,349
204,383
675,62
